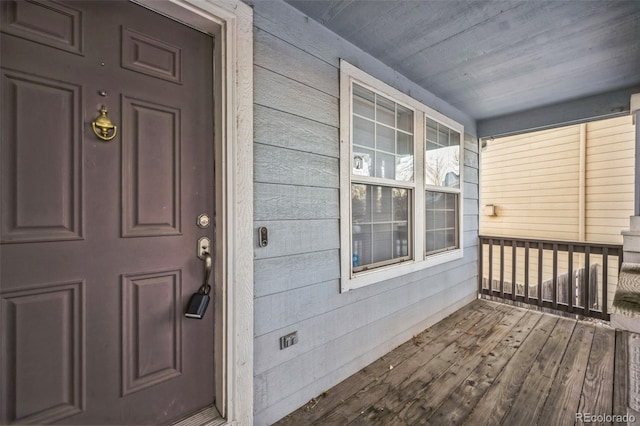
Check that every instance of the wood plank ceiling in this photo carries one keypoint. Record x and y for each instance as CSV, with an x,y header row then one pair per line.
x,y
492,58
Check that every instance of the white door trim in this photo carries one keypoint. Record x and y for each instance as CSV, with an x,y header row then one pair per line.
x,y
231,24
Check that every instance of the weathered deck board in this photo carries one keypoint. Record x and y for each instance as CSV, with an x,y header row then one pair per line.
x,y
535,388
597,392
487,363
563,399
495,403
419,407
413,388
620,379
464,398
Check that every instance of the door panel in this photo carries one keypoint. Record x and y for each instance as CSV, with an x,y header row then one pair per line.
x,y
99,238
150,169
52,24
151,332
151,56
55,106
33,316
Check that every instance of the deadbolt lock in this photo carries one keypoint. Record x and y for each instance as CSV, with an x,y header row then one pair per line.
x,y
204,221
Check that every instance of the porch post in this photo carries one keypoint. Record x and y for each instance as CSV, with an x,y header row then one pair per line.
x,y
626,302
631,238
635,113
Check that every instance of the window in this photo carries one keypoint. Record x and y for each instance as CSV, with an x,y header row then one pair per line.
x,y
400,191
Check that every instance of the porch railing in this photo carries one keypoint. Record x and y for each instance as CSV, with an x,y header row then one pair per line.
x,y
569,276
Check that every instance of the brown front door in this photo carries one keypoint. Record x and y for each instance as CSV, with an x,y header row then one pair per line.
x,y
98,254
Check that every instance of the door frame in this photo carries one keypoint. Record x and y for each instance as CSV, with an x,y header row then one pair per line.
x,y
230,22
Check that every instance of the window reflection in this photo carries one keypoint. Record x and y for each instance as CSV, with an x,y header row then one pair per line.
x,y
441,221
442,156
382,137
380,224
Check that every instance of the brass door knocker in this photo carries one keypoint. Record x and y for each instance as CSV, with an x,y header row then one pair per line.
x,y
104,124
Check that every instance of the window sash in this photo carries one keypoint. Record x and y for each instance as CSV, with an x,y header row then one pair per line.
x,y
443,155
439,224
376,158
379,214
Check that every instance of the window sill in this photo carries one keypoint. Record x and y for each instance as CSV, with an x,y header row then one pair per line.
x,y
365,278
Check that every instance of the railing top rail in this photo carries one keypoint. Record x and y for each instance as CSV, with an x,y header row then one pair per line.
x,y
546,241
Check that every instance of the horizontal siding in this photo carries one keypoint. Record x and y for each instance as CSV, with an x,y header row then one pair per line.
x,y
607,156
316,300
284,58
539,180
565,165
285,273
611,143
293,97
296,191
293,202
288,237
534,181
609,178
301,134
608,173
282,166
597,182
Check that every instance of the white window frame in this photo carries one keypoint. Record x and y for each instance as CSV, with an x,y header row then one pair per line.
x,y
350,74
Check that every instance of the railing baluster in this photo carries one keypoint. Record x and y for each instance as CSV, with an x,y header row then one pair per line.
x,y
514,259
554,296
480,262
540,249
490,266
526,272
586,284
605,283
620,259
502,268
571,280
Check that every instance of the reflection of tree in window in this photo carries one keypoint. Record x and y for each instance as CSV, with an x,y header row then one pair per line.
x,y
435,170
442,156
400,206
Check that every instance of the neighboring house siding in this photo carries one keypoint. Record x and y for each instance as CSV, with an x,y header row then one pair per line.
x,y
534,182
296,163
610,178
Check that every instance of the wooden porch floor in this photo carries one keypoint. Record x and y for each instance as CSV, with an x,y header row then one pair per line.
x,y
488,363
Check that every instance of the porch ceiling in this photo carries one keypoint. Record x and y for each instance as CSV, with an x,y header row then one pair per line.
x,y
492,58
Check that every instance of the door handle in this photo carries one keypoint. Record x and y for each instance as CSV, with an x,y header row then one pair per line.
x,y
204,247
208,266
200,300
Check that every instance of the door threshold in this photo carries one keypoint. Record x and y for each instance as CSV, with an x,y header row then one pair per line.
x,y
208,416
